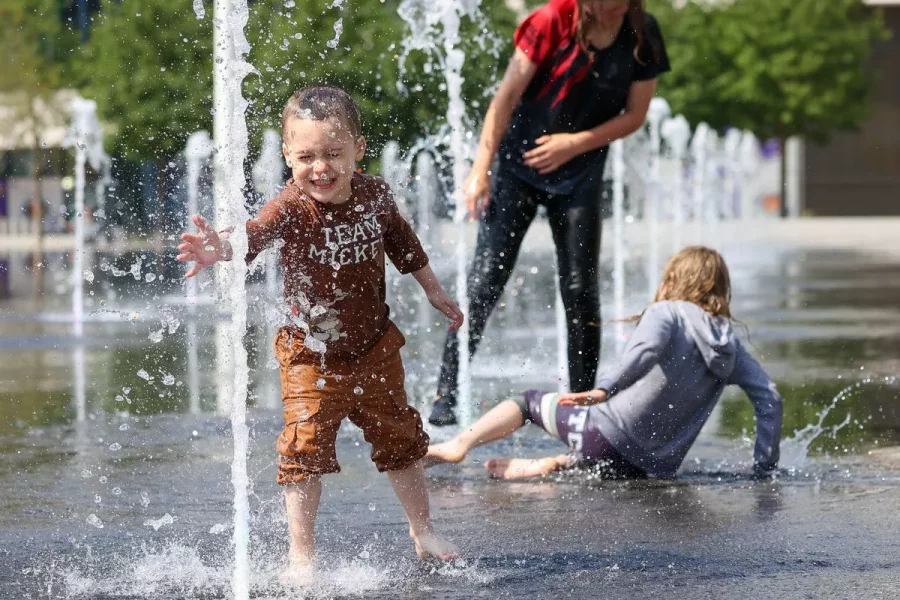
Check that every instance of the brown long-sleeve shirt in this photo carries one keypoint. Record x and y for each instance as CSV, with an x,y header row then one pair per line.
x,y
333,262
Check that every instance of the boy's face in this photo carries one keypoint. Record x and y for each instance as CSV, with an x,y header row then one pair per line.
x,y
322,157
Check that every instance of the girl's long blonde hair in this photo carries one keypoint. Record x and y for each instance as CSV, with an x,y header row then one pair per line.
x,y
698,274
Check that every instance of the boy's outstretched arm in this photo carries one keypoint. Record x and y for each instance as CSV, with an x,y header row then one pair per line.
x,y
204,248
438,297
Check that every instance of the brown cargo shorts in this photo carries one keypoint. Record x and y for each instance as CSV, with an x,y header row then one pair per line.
x,y
368,390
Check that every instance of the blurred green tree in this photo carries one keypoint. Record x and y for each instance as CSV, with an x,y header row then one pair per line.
x,y
148,65
33,52
298,45
779,68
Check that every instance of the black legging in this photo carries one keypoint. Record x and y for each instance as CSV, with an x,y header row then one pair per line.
x,y
575,222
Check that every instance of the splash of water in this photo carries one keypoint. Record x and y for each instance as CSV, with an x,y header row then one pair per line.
x,y
180,571
230,126
795,450
434,25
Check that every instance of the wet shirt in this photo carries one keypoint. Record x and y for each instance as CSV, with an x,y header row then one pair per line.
x,y
333,262
573,92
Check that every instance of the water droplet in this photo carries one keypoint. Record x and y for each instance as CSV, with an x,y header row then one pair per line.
x,y
150,277
86,473
126,390
290,4
166,519
120,399
115,446
217,529
145,499
320,384
364,555
358,391
88,276
168,379
98,499
372,506
143,375
103,479
117,491
156,336
383,380
95,521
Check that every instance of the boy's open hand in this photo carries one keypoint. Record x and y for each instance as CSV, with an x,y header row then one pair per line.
x,y
444,303
583,398
205,248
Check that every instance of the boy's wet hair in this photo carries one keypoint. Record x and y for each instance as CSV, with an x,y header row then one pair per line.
x,y
322,102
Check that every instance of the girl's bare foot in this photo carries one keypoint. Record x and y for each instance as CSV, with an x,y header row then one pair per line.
x,y
521,468
431,547
451,451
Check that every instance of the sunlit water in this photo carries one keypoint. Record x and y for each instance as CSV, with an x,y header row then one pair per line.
x,y
136,500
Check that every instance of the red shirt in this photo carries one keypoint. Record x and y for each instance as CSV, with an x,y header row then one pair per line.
x,y
573,91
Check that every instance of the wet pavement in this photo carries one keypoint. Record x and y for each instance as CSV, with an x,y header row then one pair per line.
x,y
134,501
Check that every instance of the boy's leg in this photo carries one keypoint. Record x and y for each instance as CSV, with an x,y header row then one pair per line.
x,y
496,424
409,485
510,212
302,502
398,440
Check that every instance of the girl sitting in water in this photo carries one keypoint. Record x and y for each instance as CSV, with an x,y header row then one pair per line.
x,y
647,411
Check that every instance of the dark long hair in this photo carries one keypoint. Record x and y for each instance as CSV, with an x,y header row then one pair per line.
x,y
637,16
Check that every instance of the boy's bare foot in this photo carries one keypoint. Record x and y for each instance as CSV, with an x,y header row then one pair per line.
x,y
431,547
298,574
450,451
521,468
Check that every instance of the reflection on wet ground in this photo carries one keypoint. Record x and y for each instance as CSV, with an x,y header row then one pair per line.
x,y
134,501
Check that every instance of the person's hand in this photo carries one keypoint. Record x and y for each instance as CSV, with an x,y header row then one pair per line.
x,y
477,191
444,303
205,248
583,398
552,152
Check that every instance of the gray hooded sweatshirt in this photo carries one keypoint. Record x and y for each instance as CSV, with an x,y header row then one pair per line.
x,y
672,373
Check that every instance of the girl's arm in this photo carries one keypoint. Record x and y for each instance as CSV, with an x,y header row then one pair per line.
x,y
647,345
767,405
555,150
518,75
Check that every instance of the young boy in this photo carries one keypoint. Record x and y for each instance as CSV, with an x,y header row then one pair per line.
x,y
343,360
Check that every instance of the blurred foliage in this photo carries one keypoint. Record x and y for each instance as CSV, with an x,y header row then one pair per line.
x,y
149,66
776,67
157,87
34,47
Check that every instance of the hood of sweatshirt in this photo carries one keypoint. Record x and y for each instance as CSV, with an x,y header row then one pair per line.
x,y
714,337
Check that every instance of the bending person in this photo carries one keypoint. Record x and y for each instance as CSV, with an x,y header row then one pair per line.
x,y
583,75
646,412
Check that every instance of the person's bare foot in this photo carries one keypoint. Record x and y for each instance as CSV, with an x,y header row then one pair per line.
x,y
450,451
299,573
521,468
431,547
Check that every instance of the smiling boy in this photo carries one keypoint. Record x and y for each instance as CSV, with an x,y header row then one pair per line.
x,y
343,358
